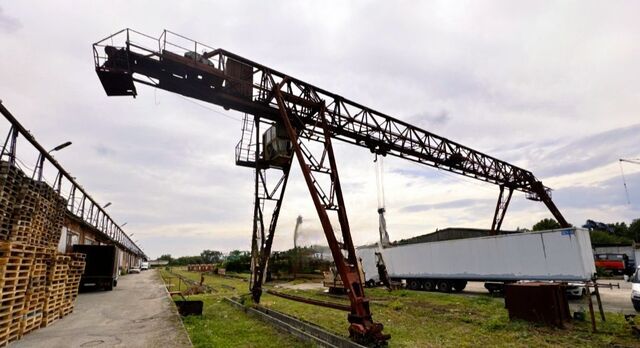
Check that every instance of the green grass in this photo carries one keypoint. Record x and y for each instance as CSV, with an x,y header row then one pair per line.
x,y
423,319
222,325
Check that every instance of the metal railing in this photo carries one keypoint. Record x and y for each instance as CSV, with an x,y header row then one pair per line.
x,y
87,209
135,41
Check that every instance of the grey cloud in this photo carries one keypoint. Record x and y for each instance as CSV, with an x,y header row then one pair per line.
x,y
589,152
103,150
427,118
8,24
608,193
460,203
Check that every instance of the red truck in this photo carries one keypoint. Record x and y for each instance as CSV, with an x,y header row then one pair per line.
x,y
615,263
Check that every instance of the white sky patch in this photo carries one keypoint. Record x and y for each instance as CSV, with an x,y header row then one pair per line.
x,y
549,87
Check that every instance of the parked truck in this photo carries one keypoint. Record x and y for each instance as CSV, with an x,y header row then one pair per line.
x,y
101,269
615,263
556,255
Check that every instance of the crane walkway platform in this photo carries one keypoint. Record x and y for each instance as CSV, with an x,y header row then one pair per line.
x,y
137,313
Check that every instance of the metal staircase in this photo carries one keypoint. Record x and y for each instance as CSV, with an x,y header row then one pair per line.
x,y
245,150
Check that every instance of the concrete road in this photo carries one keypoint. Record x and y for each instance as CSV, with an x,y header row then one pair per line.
x,y
137,313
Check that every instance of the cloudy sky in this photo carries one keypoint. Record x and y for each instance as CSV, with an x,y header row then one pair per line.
x,y
551,87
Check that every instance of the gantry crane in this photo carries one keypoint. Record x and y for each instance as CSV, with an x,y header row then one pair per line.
x,y
303,121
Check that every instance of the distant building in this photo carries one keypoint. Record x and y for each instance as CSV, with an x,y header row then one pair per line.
x,y
450,234
158,263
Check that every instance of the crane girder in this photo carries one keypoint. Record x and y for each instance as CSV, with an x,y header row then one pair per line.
x,y
347,120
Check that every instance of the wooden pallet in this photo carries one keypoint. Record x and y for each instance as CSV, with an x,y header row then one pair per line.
x,y
11,309
56,208
54,296
77,256
31,320
11,306
66,309
50,318
9,330
10,185
16,250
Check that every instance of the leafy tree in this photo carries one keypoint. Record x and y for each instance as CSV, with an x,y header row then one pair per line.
x,y
238,261
633,232
186,260
166,257
619,229
604,237
546,224
211,256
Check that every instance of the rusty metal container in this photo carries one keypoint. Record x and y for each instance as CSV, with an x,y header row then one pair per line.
x,y
240,80
537,302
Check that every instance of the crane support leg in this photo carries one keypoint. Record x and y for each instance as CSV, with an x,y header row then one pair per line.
x,y
501,209
543,194
261,242
362,328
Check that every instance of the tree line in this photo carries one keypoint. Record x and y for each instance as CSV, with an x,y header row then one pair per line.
x,y
601,233
235,261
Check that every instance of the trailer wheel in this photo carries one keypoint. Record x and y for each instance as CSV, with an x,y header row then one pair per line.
x,y
428,285
444,286
370,283
459,285
413,284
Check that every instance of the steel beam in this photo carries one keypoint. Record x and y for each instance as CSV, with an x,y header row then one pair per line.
x,y
362,327
501,209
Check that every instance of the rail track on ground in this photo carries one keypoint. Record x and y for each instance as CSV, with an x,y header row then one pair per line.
x,y
299,328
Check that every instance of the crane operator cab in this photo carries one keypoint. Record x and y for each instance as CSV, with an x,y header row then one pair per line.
x,y
278,149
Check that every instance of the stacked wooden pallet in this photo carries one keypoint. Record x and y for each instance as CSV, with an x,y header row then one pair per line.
x,y
57,271
10,183
16,262
37,284
76,268
38,214
29,214
51,229
36,292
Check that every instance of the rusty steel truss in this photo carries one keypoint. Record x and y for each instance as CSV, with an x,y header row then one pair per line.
x,y
309,115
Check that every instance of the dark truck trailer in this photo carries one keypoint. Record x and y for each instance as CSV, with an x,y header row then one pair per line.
x,y
101,270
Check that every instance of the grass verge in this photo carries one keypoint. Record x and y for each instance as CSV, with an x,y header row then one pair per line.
x,y
222,325
417,319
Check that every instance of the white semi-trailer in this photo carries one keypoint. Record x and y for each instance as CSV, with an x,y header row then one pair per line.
x,y
555,255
